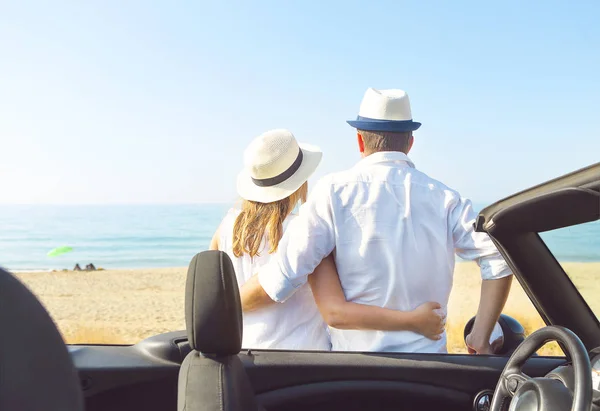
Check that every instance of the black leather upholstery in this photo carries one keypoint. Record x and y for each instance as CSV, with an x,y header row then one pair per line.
x,y
36,371
213,311
212,377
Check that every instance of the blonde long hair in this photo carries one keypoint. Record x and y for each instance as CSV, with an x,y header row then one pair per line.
x,y
257,219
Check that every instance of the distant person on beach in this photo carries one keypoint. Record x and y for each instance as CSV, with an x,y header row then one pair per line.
x,y
391,231
272,183
77,267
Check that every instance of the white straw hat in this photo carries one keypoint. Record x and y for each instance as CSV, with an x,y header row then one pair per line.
x,y
275,166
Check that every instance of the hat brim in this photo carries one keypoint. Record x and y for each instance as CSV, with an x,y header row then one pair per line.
x,y
248,190
385,125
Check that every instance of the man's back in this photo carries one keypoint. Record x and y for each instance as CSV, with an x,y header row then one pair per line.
x,y
394,245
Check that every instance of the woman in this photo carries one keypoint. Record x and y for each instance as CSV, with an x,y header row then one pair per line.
x,y
272,184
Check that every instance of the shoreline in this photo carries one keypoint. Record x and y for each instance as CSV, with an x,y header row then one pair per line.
x,y
105,269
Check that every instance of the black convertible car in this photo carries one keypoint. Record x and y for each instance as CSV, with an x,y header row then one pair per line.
x,y
205,368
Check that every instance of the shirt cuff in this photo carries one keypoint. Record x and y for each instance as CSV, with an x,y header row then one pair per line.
x,y
275,283
494,269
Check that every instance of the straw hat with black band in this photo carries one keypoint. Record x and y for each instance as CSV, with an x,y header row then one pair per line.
x,y
275,166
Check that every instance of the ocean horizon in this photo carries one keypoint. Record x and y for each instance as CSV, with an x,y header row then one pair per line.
x,y
153,236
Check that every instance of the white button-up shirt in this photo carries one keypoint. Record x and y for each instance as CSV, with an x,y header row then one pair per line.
x,y
395,232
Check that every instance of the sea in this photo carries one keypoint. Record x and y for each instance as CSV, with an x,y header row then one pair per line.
x,y
148,236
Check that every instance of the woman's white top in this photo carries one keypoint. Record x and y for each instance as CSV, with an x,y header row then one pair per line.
x,y
293,325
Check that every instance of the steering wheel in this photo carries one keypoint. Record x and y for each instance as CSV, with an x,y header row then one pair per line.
x,y
545,394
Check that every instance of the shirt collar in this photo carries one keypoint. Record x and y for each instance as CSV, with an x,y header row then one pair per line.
x,y
386,157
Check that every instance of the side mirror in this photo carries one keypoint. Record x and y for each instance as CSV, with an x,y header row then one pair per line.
x,y
508,334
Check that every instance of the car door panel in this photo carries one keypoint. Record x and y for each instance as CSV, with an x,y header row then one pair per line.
x,y
144,377
364,395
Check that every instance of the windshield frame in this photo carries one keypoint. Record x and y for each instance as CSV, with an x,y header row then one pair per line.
x,y
514,225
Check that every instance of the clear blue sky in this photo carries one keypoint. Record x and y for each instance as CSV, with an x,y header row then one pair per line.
x,y
154,102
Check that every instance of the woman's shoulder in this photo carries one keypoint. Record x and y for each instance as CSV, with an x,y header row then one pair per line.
x,y
234,211
228,220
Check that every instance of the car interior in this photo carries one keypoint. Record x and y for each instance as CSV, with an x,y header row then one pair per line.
x,y
205,367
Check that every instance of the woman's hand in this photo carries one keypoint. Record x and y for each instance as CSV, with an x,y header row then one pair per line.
x,y
428,321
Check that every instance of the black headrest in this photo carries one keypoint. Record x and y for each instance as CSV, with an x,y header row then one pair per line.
x,y
213,312
36,371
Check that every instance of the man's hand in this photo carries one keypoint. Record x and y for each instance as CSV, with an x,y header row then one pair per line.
x,y
429,322
494,294
483,347
253,296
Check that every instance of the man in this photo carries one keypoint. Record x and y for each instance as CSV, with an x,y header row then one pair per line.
x,y
393,231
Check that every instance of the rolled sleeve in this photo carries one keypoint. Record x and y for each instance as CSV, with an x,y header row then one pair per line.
x,y
475,246
275,283
494,268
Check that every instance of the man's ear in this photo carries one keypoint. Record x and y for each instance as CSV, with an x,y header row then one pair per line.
x,y
410,143
361,144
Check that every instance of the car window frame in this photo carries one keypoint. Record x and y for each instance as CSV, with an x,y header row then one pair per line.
x,y
514,225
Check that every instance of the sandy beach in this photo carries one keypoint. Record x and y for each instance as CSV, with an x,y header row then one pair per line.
x,y
126,306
